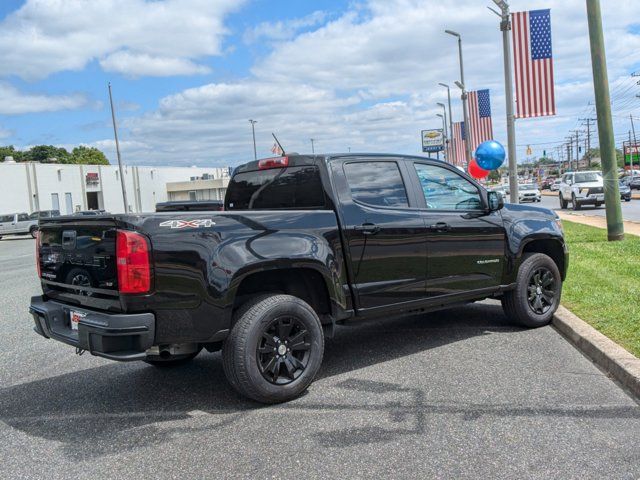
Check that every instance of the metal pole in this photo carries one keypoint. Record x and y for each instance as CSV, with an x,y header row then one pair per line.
x,y
313,151
253,132
635,145
505,27
452,149
115,134
465,113
615,227
445,132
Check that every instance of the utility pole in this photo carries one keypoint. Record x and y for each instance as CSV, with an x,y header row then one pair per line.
x,y
588,122
465,111
615,227
630,154
115,134
313,151
569,154
253,132
635,144
577,132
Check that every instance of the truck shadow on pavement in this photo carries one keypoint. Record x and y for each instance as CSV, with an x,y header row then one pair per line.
x,y
122,407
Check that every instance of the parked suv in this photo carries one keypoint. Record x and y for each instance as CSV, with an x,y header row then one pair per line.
x,y
18,224
37,215
581,188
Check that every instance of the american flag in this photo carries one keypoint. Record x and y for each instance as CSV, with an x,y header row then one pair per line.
x,y
458,140
533,64
480,117
276,149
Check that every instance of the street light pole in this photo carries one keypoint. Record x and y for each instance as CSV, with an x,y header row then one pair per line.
x,y
444,126
451,142
505,27
445,131
253,132
461,85
313,151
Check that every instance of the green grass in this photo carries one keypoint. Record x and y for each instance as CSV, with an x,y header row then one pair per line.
x,y
603,283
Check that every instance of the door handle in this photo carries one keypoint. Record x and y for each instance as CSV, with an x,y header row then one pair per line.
x,y
367,228
439,227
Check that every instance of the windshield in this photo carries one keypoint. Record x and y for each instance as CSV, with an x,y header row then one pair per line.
x,y
588,177
528,186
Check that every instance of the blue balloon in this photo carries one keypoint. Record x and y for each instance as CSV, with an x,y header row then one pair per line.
x,y
490,155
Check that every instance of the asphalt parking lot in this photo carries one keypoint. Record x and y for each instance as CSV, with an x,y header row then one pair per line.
x,y
457,394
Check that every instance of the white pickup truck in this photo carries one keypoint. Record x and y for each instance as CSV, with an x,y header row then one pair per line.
x,y
18,224
581,188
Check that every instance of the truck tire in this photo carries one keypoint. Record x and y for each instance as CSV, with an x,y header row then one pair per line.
x,y
275,348
563,202
537,294
174,361
33,231
575,204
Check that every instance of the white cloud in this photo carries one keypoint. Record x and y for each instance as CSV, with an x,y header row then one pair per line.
x,y
283,29
165,36
138,65
13,101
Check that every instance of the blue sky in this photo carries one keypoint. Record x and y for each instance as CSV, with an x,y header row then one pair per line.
x,y
187,75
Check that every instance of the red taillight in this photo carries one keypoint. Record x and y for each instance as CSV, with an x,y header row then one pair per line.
x,y
38,254
275,162
132,259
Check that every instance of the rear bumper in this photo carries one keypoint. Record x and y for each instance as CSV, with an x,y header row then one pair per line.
x,y
123,337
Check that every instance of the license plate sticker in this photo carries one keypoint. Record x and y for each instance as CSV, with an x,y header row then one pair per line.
x,y
74,319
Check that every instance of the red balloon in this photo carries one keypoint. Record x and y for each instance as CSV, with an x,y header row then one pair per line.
x,y
475,171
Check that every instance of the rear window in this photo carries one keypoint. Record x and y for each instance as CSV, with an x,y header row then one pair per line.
x,y
276,188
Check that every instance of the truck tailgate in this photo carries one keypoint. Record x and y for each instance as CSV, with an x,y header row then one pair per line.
x,y
77,259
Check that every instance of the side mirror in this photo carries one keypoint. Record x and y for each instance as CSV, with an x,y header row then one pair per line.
x,y
495,201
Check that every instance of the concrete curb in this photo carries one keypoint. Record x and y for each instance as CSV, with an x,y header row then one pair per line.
x,y
605,353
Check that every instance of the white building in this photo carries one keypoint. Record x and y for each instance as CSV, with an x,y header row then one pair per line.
x,y
27,187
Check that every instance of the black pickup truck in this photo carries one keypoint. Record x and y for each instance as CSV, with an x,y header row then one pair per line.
x,y
304,242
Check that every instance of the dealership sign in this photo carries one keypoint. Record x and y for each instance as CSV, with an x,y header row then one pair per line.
x,y
432,140
92,179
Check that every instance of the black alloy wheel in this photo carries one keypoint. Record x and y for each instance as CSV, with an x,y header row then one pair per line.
x,y
537,292
274,349
283,350
541,290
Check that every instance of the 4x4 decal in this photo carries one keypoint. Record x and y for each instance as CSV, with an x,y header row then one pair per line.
x,y
206,222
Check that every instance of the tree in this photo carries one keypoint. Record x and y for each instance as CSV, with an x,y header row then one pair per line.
x,y
88,156
10,151
494,176
48,154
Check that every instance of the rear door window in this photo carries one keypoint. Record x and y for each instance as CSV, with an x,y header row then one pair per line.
x,y
276,188
376,183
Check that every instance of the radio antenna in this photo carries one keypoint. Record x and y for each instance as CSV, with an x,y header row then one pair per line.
x,y
279,144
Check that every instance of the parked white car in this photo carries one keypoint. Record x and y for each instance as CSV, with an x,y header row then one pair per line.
x,y
529,192
18,224
581,188
555,186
